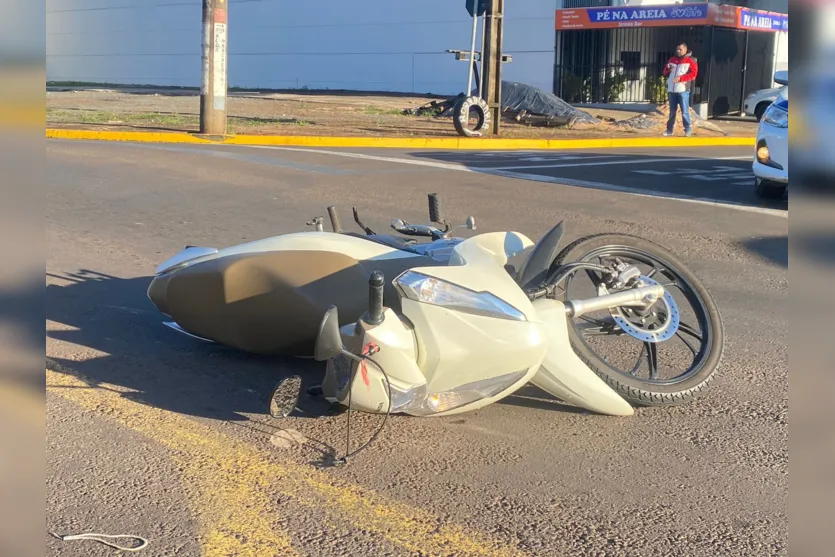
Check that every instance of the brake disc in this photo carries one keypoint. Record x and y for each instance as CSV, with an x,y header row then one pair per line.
x,y
635,327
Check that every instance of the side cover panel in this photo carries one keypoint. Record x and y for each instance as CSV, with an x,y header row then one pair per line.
x,y
271,302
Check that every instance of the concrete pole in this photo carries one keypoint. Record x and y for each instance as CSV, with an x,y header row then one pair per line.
x,y
491,61
214,86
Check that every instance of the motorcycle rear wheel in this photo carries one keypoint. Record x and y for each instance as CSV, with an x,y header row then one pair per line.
x,y
650,391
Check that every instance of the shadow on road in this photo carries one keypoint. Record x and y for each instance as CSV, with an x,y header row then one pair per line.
x,y
667,175
530,396
118,334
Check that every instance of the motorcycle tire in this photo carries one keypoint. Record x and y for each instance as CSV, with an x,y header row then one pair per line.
x,y
461,116
637,391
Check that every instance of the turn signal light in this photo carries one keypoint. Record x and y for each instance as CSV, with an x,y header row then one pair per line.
x,y
762,154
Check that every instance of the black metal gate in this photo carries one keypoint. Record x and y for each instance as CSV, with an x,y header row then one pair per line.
x,y
727,64
622,65
759,62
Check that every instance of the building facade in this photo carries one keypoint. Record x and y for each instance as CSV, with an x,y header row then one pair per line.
x,y
369,45
614,51
377,45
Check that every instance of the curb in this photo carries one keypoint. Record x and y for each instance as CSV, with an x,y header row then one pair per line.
x,y
456,143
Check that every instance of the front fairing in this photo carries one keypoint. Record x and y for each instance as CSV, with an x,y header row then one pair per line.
x,y
478,264
458,347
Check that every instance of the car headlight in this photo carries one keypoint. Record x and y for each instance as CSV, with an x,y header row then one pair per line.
x,y
430,290
776,116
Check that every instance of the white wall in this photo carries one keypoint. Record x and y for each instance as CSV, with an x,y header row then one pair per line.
x,y
781,52
379,45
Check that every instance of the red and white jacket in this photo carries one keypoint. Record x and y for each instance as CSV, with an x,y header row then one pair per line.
x,y
684,68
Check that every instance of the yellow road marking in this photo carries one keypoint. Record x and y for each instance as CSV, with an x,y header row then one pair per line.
x,y
458,143
229,481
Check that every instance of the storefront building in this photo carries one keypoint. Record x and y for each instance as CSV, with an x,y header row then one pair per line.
x,y
616,54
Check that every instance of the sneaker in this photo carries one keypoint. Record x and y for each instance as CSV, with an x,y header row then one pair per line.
x,y
667,133
688,133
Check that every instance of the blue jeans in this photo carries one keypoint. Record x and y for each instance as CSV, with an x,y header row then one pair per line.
x,y
676,100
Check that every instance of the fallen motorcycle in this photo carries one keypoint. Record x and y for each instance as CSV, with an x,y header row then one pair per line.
x,y
451,324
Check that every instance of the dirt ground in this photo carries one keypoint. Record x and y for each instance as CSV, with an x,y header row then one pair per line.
x,y
322,114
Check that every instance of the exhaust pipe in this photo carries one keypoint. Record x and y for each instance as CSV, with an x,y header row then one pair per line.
x,y
637,297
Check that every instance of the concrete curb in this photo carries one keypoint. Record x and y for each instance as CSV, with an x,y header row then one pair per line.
x,y
456,143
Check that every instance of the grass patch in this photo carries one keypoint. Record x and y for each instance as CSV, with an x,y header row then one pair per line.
x,y
382,111
182,122
70,116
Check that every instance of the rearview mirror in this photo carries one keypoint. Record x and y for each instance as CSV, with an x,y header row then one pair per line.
x,y
781,77
471,223
329,341
285,397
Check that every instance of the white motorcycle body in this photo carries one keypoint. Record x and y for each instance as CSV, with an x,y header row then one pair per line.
x,y
428,329
467,336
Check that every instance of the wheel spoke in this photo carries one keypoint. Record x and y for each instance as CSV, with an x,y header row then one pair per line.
x,y
654,270
597,321
597,327
640,359
685,328
687,342
652,359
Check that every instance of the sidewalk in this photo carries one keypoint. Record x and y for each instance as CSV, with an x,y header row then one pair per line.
x,y
329,115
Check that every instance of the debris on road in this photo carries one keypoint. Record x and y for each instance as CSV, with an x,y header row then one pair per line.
x,y
656,120
531,104
521,103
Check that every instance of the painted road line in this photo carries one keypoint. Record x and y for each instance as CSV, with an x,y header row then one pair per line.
x,y
444,143
558,180
646,193
231,484
608,163
712,174
542,157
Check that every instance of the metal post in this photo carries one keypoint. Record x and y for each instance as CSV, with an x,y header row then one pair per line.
x,y
491,61
468,90
481,59
744,74
214,86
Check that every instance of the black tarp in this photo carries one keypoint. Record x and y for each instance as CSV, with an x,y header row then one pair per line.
x,y
517,97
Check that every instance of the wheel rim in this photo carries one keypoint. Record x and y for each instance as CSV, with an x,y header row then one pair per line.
x,y
587,327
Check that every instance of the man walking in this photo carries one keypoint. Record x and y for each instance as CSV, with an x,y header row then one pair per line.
x,y
680,70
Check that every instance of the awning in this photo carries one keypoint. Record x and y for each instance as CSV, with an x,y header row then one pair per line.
x,y
671,15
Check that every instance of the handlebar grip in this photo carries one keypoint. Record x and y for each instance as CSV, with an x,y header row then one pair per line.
x,y
337,226
375,298
435,214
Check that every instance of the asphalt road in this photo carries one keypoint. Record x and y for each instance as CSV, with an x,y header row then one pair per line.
x,y
168,438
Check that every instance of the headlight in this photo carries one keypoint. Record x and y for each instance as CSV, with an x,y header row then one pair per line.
x,y
776,116
436,403
430,290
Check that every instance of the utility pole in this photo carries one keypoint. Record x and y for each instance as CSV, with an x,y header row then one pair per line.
x,y
214,86
491,61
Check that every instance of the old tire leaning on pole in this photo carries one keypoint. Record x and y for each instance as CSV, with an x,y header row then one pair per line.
x,y
461,116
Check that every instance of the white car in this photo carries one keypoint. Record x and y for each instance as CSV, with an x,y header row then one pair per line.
x,y
758,102
771,157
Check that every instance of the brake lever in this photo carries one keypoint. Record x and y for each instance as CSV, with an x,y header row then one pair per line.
x,y
404,227
367,230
